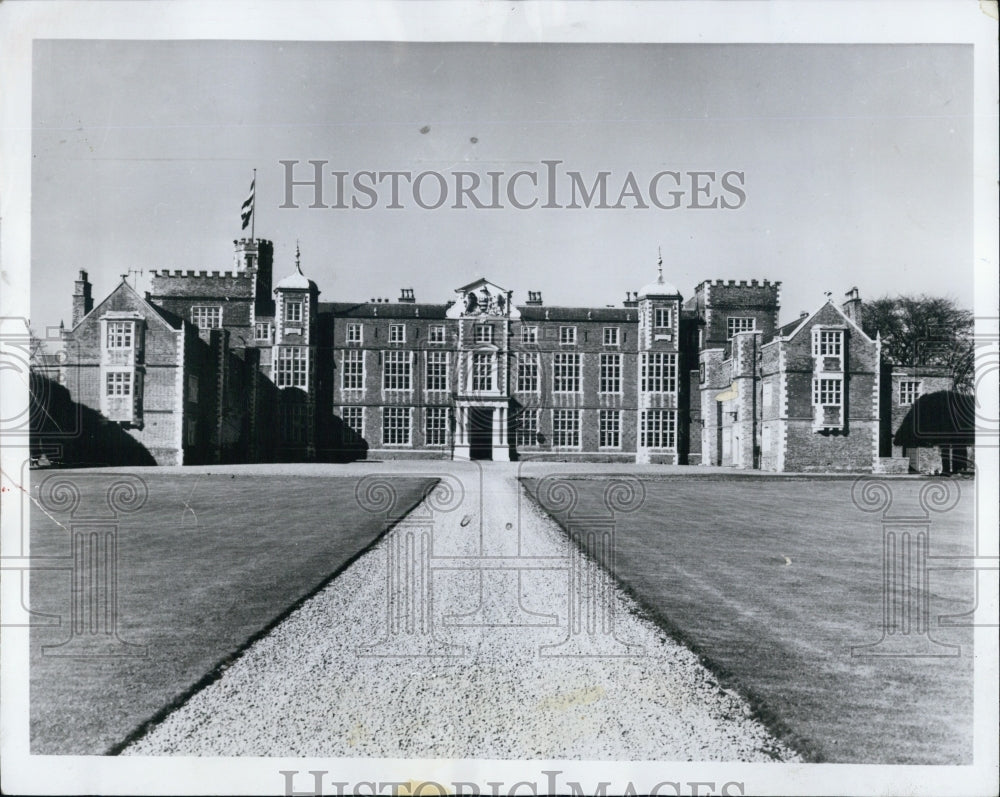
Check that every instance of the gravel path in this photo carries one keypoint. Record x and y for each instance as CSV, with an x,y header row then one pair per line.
x,y
465,661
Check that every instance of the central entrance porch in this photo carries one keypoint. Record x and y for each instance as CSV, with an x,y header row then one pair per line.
x,y
481,430
480,433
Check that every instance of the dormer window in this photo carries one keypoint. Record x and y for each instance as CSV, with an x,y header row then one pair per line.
x,y
293,312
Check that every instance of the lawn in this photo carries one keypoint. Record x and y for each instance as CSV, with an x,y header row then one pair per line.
x,y
195,586
772,581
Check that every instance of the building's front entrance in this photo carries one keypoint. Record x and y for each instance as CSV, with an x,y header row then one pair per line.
x,y
480,433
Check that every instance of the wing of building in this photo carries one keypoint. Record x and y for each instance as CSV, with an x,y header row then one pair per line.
x,y
226,366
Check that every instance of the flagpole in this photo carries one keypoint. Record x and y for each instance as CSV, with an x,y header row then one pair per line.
x,y
253,210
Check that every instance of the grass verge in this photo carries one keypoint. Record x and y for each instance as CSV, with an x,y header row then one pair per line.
x,y
208,565
772,582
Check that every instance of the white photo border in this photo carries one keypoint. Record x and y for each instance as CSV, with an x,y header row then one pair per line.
x,y
838,22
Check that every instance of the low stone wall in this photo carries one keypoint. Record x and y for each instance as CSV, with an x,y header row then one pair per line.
x,y
893,465
576,456
406,453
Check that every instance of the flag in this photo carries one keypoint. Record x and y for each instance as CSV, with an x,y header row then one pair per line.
x,y
247,210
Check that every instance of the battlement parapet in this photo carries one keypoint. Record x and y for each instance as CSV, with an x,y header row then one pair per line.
x,y
251,242
719,283
201,274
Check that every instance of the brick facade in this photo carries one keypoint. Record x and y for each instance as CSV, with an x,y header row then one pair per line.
x,y
223,367
141,370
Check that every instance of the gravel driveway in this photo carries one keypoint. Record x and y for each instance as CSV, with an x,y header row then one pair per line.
x,y
454,637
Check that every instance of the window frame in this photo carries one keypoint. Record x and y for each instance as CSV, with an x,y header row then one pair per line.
x,y
119,384
529,334
353,358
567,336
563,360
481,381
482,334
355,332
268,331
353,409
821,390
439,360
437,334
440,415
832,338
731,327
528,381
604,428
915,386
402,358
610,360
390,412
658,369
289,316
615,336
294,376
559,418
120,335
397,333
526,435
662,435
200,309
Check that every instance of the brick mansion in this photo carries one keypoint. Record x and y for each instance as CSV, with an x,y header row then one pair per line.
x,y
233,366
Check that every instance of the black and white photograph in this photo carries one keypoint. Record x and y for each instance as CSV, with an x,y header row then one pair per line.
x,y
419,398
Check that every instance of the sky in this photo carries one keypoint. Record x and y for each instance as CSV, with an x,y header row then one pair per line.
x,y
856,162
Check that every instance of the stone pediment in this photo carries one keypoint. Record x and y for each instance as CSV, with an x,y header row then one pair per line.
x,y
483,298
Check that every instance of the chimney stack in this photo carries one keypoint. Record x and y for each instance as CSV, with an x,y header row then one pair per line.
x,y
406,296
631,299
852,306
83,302
534,298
